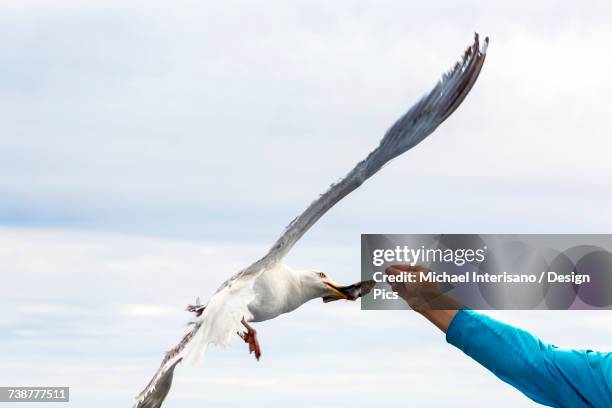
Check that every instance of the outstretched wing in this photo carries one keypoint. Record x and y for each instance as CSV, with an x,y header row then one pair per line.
x,y
156,390
409,130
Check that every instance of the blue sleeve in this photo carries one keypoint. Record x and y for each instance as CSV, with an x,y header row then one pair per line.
x,y
545,373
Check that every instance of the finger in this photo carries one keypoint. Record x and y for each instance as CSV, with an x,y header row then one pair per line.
x,y
406,268
396,290
396,286
398,268
393,270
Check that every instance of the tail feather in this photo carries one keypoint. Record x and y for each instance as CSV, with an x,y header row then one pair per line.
x,y
220,321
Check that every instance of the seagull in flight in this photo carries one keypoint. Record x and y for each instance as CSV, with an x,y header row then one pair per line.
x,y
268,287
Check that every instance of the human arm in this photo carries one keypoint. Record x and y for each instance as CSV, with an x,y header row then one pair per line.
x,y
543,372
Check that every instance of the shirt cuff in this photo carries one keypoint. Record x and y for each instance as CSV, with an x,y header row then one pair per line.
x,y
457,326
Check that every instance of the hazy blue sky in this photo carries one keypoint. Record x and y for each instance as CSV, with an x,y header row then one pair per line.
x,y
150,149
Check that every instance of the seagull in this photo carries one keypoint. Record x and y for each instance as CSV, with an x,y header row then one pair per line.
x,y
268,287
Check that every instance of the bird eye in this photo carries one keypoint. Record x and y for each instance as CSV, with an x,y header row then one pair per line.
x,y
321,274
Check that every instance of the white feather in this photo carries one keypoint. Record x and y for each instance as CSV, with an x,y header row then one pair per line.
x,y
221,319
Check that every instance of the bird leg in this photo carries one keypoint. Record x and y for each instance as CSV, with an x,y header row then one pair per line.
x,y
250,337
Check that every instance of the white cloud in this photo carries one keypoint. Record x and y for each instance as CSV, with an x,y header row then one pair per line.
x,y
221,121
105,345
193,121
147,311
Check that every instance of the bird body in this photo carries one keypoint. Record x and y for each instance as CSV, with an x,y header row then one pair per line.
x,y
281,289
268,287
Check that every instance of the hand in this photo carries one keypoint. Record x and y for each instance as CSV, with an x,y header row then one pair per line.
x,y
424,297
417,294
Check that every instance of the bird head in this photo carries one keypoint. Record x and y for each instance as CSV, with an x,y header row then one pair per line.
x,y
329,290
